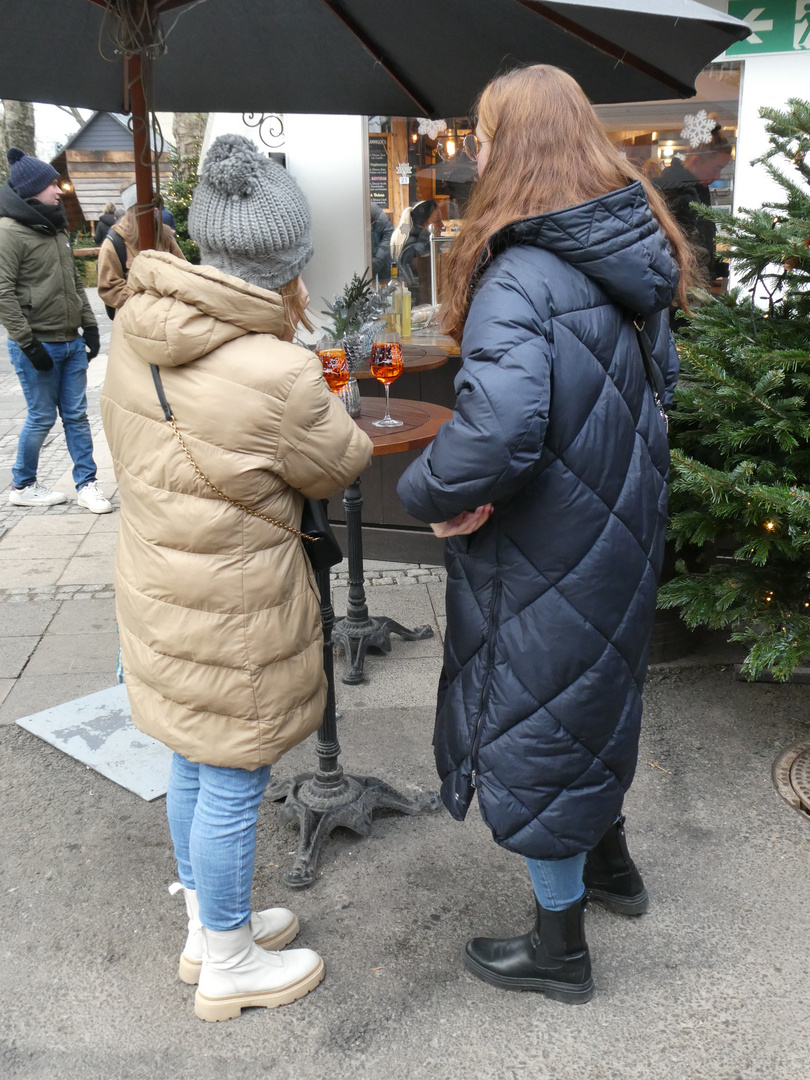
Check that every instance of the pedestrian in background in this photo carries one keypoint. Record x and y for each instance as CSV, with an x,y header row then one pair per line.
x,y
550,483
217,608
42,306
120,248
381,232
105,223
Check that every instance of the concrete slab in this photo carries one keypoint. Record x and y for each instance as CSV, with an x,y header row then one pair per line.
x,y
97,730
6,686
31,618
33,693
58,654
41,523
409,605
89,570
79,617
15,546
106,522
31,572
387,680
14,655
97,543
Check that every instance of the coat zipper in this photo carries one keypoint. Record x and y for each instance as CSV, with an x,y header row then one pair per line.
x,y
496,595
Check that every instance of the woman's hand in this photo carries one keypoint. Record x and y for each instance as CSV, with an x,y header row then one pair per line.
x,y
468,521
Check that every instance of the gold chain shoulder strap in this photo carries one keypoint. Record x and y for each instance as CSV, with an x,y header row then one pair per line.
x,y
167,412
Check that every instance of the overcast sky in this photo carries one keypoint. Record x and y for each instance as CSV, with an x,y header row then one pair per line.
x,y
54,127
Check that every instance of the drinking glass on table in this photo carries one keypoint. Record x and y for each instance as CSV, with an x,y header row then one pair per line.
x,y
386,365
335,367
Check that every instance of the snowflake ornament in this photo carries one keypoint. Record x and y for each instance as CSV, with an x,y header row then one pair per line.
x,y
404,171
431,128
698,128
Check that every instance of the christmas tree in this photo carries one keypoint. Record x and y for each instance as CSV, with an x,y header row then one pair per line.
x,y
177,195
740,432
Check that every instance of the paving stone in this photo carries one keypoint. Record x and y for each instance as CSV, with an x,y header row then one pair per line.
x,y
63,654
14,654
84,616
30,694
31,619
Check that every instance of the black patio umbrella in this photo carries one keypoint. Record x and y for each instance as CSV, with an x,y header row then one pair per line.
x,y
392,57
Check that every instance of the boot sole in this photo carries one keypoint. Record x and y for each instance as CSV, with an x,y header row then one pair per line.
x,y
621,905
189,970
227,1008
577,994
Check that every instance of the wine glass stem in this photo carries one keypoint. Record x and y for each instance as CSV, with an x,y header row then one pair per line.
x,y
387,413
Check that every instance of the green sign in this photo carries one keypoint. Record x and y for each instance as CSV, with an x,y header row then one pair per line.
x,y
777,26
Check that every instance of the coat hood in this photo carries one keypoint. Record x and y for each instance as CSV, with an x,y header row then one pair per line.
x,y
614,239
13,206
180,313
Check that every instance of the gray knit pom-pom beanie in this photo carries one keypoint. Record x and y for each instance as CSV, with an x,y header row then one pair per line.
x,y
248,216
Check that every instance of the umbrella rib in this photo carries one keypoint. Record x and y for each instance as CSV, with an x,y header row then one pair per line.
x,y
609,48
376,54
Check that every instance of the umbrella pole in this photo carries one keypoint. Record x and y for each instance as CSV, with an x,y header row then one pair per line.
x,y
143,154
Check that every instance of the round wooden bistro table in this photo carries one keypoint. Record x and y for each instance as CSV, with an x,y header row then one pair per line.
x,y
327,798
358,632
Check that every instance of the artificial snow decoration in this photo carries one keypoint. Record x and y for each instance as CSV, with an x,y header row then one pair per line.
x,y
431,128
698,128
404,171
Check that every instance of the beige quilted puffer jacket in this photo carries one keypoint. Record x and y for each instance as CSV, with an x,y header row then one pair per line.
x,y
217,610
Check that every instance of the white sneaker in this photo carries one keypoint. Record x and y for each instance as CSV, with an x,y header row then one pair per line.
x,y
272,929
35,495
236,974
91,497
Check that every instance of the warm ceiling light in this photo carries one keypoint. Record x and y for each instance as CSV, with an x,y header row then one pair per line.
x,y
450,147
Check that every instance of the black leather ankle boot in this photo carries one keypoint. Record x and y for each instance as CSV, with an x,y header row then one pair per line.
x,y
552,958
611,876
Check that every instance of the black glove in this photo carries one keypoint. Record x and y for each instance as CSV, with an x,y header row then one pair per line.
x,y
92,340
38,355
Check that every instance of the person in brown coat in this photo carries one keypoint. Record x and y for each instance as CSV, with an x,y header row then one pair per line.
x,y
218,610
113,286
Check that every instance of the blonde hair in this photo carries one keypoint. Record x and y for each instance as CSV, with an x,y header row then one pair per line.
x,y
295,307
548,151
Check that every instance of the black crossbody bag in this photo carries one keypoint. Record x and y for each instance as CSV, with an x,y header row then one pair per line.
x,y
320,543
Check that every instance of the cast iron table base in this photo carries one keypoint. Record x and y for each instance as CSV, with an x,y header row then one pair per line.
x,y
328,798
358,632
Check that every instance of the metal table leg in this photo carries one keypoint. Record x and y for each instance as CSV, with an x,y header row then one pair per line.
x,y
323,800
357,632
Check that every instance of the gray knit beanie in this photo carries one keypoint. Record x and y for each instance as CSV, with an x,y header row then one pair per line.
x,y
248,216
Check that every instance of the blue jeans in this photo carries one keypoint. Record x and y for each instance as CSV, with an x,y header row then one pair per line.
x,y
557,882
63,388
212,814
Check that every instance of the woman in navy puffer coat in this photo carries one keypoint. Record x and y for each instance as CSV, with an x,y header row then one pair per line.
x,y
551,483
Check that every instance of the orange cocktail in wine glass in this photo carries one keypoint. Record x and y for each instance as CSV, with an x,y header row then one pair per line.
x,y
386,365
335,367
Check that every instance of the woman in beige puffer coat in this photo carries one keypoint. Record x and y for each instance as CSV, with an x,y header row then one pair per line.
x,y
218,610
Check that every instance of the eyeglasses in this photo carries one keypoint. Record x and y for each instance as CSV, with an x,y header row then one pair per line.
x,y
472,146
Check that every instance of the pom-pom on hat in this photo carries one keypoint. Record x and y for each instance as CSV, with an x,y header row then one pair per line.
x,y
248,216
28,175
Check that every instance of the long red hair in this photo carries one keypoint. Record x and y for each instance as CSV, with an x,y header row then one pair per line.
x,y
548,151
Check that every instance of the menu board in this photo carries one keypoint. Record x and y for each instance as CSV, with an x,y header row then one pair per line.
x,y
378,170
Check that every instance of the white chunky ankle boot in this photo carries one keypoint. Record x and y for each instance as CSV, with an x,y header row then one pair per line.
x,y
236,974
272,929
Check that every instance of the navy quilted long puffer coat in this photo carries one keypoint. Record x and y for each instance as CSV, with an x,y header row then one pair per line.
x,y
550,604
